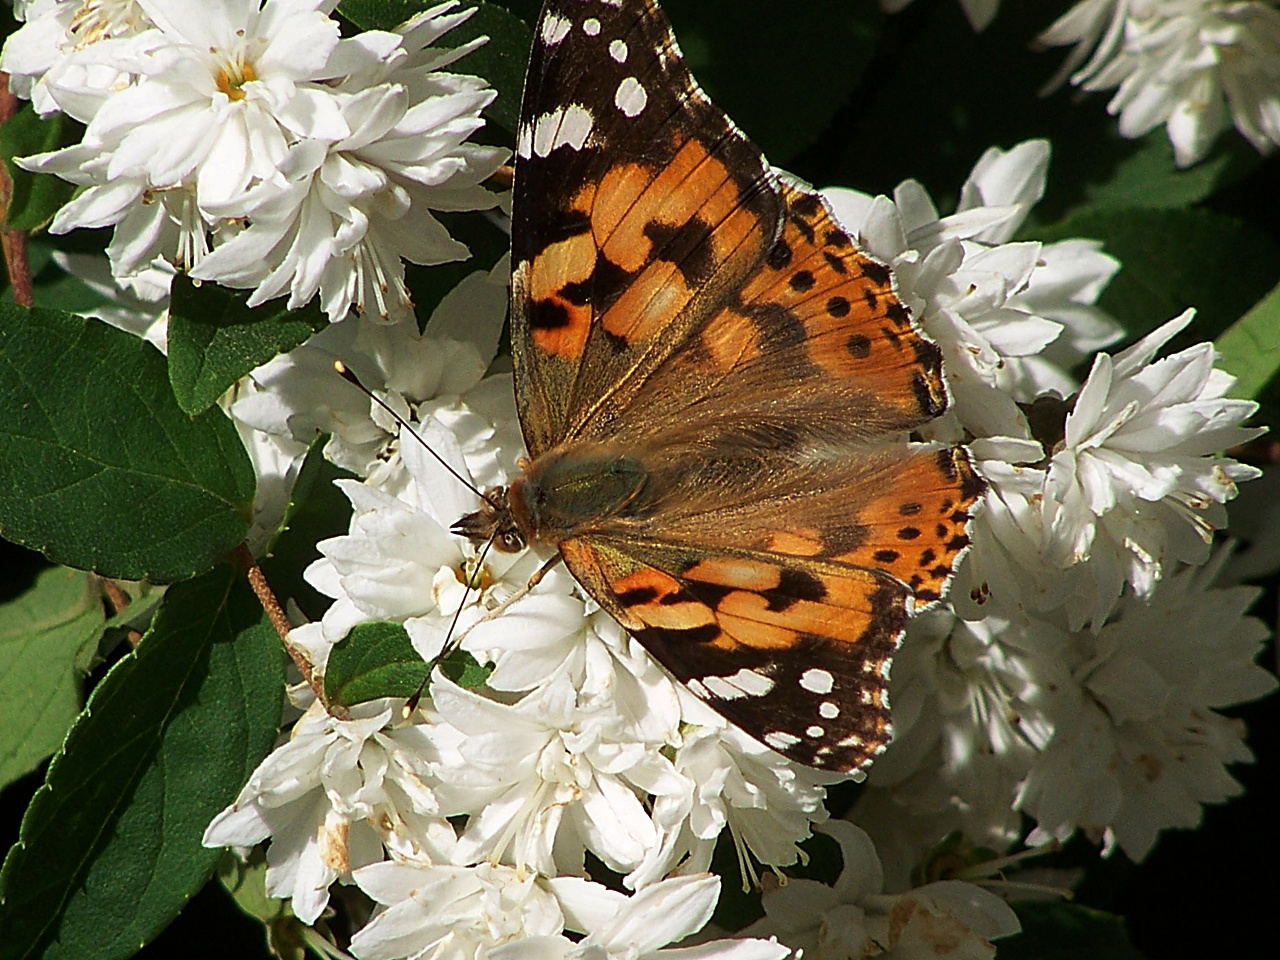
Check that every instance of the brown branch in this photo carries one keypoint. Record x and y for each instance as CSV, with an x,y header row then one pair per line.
x,y
13,241
275,613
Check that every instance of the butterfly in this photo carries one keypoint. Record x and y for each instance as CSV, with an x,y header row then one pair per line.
x,y
715,386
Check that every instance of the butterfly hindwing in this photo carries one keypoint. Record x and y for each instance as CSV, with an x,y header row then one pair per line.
x,y
636,205
795,652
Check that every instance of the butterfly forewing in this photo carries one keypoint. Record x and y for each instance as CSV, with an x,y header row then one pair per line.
x,y
636,205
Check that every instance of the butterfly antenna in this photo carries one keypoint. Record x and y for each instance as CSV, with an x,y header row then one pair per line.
x,y
449,643
348,375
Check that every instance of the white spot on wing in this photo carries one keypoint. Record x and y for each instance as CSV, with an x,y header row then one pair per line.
x,y
722,688
631,97
853,740
591,26
751,683
744,683
554,29
779,740
817,681
567,127
815,731
524,142
618,50
698,689
828,710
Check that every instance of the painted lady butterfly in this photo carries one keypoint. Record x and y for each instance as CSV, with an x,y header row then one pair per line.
x,y
714,384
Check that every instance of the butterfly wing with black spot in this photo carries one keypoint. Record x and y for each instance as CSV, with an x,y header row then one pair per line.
x,y
795,652
637,206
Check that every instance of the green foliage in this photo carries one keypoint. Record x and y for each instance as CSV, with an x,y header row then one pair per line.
x,y
109,849
215,339
760,67
1250,347
374,660
317,511
47,636
378,660
102,470
247,884
34,198
1052,930
91,424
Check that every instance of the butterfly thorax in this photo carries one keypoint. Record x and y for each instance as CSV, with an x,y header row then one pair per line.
x,y
563,493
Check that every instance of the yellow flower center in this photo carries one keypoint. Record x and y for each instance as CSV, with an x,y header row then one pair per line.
x,y
232,78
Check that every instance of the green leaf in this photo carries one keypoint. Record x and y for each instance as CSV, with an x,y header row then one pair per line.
x,y
109,850
1174,259
1148,177
1053,930
35,197
247,884
782,78
374,660
101,470
501,61
214,339
1250,347
464,670
317,510
44,634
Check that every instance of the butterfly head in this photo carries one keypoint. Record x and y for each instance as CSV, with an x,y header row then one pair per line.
x,y
492,523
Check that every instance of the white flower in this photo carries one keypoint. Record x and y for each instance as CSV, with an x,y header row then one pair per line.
x,y
1193,65
854,919
439,373
729,780
637,927
992,305
139,305
220,91
564,769
399,561
974,703
452,913
1138,459
330,797
346,209
1139,747
40,56
979,12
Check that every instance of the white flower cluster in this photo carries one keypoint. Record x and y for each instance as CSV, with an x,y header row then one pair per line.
x,y
251,144
1196,66
1075,675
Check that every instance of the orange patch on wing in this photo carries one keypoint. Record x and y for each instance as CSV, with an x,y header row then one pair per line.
x,y
804,616
646,595
649,304
614,198
739,572
692,182
568,261
799,543
917,529
731,339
